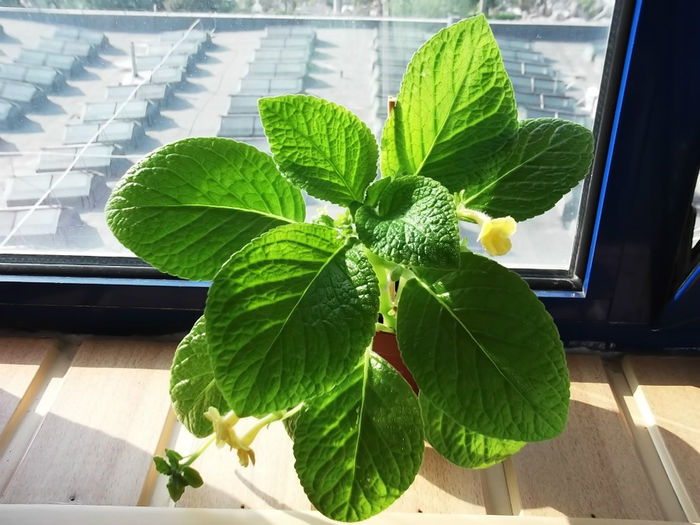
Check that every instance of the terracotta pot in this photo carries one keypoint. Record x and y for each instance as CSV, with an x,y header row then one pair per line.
x,y
386,346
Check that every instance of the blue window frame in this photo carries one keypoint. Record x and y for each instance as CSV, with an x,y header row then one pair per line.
x,y
634,283
639,286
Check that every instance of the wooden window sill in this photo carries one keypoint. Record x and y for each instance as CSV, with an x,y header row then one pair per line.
x,y
80,419
106,515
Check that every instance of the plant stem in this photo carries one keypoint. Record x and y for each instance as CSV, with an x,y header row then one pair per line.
x,y
406,276
387,307
292,411
249,436
192,457
381,327
465,214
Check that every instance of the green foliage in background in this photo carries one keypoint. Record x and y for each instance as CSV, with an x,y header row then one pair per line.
x,y
431,8
201,6
122,5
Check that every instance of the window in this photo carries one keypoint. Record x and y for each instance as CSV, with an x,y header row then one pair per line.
x,y
206,79
640,280
604,271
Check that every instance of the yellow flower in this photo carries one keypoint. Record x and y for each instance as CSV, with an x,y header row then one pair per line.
x,y
226,435
246,456
495,235
223,427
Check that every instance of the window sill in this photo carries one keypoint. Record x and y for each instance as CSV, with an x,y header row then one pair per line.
x,y
630,450
88,515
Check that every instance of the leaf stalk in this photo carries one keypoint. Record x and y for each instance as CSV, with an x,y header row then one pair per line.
x,y
387,290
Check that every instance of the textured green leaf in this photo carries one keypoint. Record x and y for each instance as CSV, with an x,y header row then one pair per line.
x,y
290,425
462,446
455,109
189,205
547,158
192,386
320,146
410,220
288,316
360,446
484,350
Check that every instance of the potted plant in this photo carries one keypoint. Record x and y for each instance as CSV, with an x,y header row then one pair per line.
x,y
293,307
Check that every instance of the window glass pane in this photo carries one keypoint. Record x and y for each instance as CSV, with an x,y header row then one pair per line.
x,y
68,135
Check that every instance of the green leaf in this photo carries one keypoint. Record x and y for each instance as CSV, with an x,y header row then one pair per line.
x,y
290,425
322,147
192,386
462,446
359,447
176,486
410,220
288,316
455,109
484,350
174,458
547,158
192,477
162,466
189,205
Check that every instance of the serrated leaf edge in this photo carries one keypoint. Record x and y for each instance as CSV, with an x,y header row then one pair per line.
x,y
498,179
336,169
440,128
455,422
435,296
